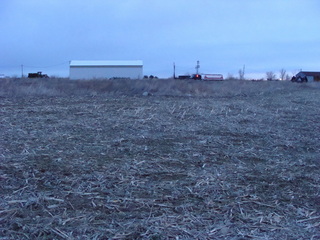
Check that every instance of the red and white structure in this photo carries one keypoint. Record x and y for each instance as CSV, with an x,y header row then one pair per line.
x,y
212,77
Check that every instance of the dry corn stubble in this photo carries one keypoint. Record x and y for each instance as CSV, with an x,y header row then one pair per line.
x,y
195,160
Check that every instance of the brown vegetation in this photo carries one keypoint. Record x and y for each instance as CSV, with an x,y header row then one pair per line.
x,y
192,160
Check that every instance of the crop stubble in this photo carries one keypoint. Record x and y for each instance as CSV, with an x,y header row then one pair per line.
x,y
235,165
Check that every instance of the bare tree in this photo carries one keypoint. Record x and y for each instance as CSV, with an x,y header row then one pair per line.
x,y
282,74
230,76
288,77
242,72
270,76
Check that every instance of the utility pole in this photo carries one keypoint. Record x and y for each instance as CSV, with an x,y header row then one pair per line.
x,y
174,70
21,70
244,70
197,67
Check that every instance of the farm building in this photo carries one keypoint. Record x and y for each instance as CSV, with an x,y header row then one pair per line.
x,y
307,76
106,69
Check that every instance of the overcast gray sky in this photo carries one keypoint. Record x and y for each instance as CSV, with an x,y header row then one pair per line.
x,y
224,35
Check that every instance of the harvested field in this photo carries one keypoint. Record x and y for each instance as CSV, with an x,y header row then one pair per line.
x,y
192,160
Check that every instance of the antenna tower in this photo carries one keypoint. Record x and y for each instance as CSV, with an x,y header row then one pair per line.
x,y
197,67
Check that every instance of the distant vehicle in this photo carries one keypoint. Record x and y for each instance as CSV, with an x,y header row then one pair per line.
x,y
183,77
196,76
37,75
193,76
206,77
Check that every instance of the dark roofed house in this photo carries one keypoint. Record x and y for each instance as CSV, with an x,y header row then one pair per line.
x,y
306,77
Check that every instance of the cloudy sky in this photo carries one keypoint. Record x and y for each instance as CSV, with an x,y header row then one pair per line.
x,y
224,35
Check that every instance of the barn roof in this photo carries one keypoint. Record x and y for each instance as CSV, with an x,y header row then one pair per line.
x,y
314,74
87,63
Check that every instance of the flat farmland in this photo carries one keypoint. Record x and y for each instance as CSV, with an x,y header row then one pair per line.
x,y
159,159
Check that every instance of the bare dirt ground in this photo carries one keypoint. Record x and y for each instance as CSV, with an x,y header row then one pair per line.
x,y
192,160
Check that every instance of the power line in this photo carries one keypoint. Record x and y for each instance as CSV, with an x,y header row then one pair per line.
x,y
29,66
54,65
11,66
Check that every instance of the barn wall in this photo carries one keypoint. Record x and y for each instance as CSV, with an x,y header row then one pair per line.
x,y
103,72
310,78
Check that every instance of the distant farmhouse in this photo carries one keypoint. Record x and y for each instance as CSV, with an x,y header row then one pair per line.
x,y
306,77
106,69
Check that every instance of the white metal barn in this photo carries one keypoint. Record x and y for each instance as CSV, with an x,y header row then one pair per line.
x,y
106,69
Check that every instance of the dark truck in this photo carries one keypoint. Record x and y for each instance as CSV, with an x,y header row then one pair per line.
x,y
193,76
37,75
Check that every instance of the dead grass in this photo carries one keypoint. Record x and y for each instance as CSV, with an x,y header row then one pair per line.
x,y
195,160
156,87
